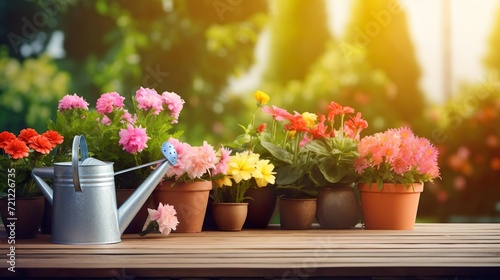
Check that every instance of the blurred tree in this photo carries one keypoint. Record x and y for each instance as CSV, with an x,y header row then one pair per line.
x,y
379,27
299,33
29,92
492,58
187,46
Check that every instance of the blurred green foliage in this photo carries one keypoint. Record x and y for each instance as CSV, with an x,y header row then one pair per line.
x,y
294,45
29,91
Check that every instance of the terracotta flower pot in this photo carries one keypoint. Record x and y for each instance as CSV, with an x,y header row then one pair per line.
x,y
189,200
28,213
230,216
337,208
139,219
393,207
297,213
261,207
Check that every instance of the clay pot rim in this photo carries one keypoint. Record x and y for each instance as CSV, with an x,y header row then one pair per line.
x,y
292,199
230,203
194,186
418,187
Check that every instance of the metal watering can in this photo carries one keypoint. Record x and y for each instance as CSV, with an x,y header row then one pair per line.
x,y
84,198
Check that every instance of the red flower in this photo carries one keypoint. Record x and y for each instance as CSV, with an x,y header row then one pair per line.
x,y
297,123
27,134
17,149
320,130
261,127
53,137
337,109
357,123
5,138
40,144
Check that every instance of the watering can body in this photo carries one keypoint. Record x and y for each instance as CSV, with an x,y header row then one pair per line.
x,y
83,198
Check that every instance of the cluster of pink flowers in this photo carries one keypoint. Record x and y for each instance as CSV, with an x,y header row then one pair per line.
x,y
199,162
401,150
72,102
133,138
166,218
149,99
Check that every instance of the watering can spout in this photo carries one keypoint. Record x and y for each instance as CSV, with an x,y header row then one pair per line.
x,y
129,208
44,172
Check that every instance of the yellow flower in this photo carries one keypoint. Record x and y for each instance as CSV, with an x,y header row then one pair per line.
x,y
261,97
224,181
242,166
265,170
310,119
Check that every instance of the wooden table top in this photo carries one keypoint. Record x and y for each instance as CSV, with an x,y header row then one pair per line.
x,y
428,250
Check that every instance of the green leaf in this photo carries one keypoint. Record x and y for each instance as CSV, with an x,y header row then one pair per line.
x,y
278,152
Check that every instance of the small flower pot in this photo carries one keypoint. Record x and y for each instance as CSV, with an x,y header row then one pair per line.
x,y
297,213
230,216
393,207
337,208
189,199
261,206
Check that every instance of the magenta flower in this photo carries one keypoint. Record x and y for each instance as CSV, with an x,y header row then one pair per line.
x,y
166,218
108,102
133,139
149,99
174,103
74,101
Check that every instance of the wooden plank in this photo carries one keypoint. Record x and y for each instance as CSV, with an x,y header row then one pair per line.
x,y
428,250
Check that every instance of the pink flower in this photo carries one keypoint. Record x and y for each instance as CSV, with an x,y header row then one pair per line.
x,y
277,113
222,165
174,103
108,101
166,218
128,117
183,160
72,102
401,150
149,99
105,120
203,159
133,139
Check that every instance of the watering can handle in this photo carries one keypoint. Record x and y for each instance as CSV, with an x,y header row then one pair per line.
x,y
78,142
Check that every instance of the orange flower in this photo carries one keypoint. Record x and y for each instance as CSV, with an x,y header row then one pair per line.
x,y
53,137
17,149
5,138
40,144
26,134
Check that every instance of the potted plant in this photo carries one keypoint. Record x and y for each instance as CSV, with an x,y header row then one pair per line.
x,y
244,170
285,145
393,167
187,185
261,199
127,138
334,150
21,202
